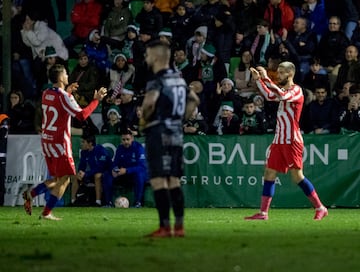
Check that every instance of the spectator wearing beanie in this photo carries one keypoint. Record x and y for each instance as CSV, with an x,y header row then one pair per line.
x,y
113,124
121,73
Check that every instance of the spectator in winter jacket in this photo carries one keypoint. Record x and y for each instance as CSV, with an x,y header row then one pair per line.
x,y
37,35
253,121
322,113
180,25
195,125
22,75
130,42
21,114
113,124
242,75
121,73
150,18
86,74
116,23
229,122
183,65
166,8
350,116
261,43
221,27
314,11
332,46
98,54
350,68
195,44
85,16
226,92
210,70
304,42
317,76
280,15
128,107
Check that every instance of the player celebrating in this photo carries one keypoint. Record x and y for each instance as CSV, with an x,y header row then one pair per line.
x,y
286,150
58,107
167,101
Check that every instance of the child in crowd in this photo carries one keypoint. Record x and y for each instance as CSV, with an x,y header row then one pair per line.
x,y
253,121
180,24
113,124
129,42
226,92
196,43
195,125
229,121
317,76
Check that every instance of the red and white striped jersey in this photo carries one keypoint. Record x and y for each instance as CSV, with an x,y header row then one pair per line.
x,y
58,107
288,115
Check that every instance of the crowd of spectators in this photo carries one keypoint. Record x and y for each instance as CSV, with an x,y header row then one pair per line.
x,y
213,42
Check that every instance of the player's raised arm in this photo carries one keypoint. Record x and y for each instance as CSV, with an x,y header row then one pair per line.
x,y
86,112
264,83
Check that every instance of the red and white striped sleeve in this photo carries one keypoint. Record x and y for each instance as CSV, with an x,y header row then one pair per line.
x,y
72,107
266,87
273,93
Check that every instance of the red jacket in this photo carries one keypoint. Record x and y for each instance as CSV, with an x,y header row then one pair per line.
x,y
287,18
85,17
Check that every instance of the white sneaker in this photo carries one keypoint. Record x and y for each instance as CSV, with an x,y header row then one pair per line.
x,y
50,216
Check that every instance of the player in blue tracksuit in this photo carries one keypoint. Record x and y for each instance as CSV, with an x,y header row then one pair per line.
x,y
130,165
94,166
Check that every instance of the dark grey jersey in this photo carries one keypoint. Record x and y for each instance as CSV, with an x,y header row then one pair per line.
x,y
171,104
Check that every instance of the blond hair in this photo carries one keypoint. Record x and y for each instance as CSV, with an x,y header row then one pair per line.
x,y
288,66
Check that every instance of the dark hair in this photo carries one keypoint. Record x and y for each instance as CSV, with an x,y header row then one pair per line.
x,y
126,131
314,60
33,15
263,22
19,94
307,22
241,65
179,48
90,138
82,53
355,88
55,71
249,100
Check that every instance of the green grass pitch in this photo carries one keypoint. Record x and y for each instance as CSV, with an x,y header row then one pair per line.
x,y
217,240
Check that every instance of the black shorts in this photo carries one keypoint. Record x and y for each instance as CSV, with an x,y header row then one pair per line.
x,y
164,151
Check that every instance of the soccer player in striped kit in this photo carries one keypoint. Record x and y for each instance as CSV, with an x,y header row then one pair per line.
x,y
58,106
285,152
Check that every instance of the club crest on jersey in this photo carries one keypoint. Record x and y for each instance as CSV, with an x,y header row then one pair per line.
x,y
50,97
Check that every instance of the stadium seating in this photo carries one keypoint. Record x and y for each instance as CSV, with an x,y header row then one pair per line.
x,y
234,63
